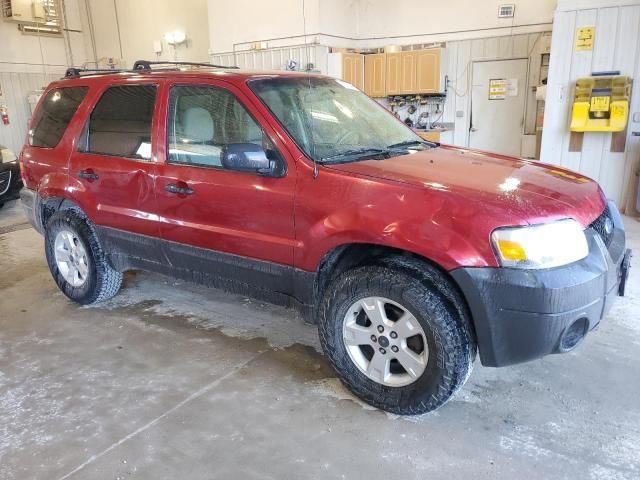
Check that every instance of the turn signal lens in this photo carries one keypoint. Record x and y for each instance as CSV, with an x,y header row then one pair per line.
x,y
511,250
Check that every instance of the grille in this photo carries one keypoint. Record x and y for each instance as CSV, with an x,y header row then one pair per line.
x,y
599,226
5,180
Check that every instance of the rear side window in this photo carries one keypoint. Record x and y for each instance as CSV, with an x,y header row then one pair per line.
x,y
53,116
120,124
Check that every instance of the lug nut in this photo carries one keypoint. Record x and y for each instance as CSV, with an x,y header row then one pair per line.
x,y
383,351
394,349
393,335
380,328
373,338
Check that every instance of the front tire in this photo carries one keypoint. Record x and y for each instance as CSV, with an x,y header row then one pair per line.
x,y
76,260
396,341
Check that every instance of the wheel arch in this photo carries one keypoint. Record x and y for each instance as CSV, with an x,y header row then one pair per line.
x,y
47,206
349,256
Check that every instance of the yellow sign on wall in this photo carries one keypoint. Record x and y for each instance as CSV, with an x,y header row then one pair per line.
x,y
585,38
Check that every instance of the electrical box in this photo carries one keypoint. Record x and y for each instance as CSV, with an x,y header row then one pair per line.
x,y
601,104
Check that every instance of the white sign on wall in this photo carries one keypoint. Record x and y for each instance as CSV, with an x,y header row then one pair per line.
x,y
501,88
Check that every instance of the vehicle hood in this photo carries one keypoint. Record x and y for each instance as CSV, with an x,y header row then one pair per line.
x,y
529,191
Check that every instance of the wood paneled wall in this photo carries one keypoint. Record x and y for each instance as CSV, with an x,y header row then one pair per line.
x,y
617,47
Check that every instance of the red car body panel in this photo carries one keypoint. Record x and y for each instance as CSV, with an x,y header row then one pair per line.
x,y
233,212
441,204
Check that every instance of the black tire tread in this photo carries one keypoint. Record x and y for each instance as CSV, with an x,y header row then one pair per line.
x,y
451,324
107,280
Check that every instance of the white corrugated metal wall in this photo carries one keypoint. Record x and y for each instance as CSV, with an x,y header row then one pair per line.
x,y
15,89
617,47
276,58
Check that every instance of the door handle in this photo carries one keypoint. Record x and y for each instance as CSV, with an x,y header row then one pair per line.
x,y
88,174
473,129
173,188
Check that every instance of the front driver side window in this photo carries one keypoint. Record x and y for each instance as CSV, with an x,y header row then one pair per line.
x,y
202,120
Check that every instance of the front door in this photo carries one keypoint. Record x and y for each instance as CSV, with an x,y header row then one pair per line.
x,y
217,221
497,106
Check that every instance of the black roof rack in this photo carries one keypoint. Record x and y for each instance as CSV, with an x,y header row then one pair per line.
x,y
146,64
77,72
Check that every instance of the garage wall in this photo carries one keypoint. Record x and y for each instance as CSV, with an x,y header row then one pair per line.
x,y
15,90
126,29
462,54
417,21
276,58
29,63
33,53
617,47
367,23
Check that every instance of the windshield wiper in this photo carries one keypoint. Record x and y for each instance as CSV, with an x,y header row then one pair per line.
x,y
354,154
410,143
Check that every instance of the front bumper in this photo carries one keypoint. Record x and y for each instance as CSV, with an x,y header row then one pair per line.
x,y
520,315
10,181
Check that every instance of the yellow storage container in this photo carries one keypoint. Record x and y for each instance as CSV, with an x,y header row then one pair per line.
x,y
601,104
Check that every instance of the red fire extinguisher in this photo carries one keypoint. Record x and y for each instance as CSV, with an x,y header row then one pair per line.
x,y
4,113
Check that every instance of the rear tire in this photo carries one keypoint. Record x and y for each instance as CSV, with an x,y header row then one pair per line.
x,y
76,259
449,349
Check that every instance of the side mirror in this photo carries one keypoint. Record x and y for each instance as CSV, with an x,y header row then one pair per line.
x,y
247,157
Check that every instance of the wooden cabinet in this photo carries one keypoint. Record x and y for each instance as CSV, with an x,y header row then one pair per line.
x,y
375,74
353,69
408,75
428,71
394,73
415,71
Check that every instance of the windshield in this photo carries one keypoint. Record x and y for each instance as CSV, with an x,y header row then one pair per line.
x,y
332,120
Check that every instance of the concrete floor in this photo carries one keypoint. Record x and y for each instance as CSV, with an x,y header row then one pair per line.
x,y
171,380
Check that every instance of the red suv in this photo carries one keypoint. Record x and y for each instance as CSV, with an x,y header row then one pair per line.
x,y
300,190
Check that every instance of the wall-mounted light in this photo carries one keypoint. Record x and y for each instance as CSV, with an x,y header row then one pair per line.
x,y
175,38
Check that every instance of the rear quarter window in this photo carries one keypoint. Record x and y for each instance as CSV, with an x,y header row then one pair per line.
x,y
52,118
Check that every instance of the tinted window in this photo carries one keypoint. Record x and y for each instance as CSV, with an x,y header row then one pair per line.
x,y
120,124
202,120
55,113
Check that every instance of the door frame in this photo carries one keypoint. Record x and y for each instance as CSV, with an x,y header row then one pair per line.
x,y
470,99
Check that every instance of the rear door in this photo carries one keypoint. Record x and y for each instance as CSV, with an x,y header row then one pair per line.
x,y
111,169
233,224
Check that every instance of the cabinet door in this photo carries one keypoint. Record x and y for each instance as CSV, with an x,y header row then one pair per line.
x,y
428,70
393,73
375,68
358,74
353,69
408,75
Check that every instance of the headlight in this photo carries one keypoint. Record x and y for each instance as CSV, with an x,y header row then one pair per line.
x,y
7,156
540,246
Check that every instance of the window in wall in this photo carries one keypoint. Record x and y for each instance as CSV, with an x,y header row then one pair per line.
x,y
120,124
54,114
202,120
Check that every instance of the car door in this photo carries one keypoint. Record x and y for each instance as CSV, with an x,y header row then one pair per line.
x,y
111,169
230,224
